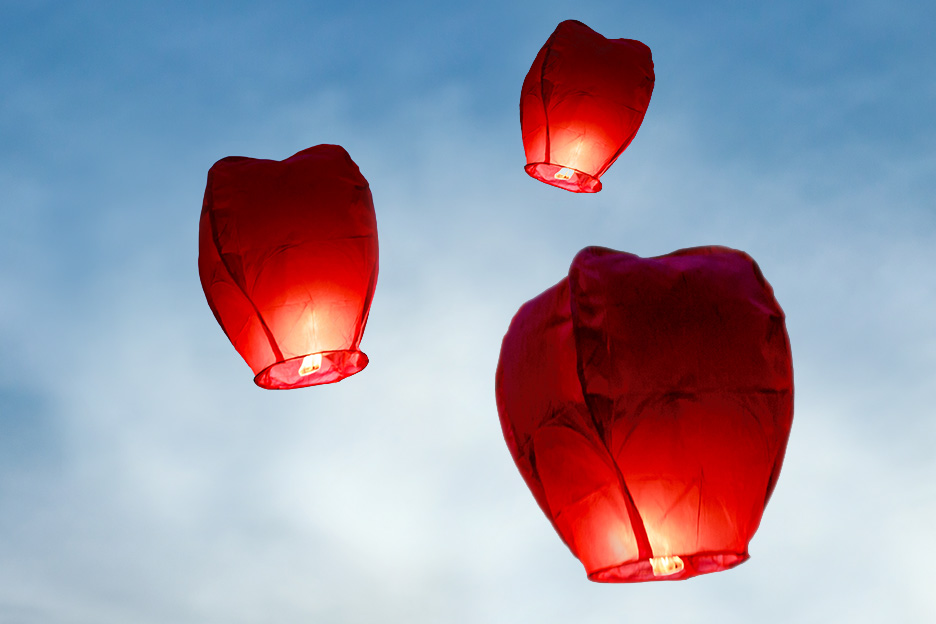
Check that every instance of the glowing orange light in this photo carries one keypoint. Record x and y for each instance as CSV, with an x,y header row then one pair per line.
x,y
310,364
564,174
665,566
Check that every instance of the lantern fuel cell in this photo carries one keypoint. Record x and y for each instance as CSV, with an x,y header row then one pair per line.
x,y
581,105
647,403
288,257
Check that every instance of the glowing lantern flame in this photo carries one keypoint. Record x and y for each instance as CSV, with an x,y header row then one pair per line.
x,y
665,566
310,364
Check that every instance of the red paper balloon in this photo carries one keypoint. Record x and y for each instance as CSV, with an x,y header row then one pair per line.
x,y
287,255
647,404
581,105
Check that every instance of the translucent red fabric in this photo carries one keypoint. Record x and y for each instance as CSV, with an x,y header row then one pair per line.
x,y
287,255
647,403
581,105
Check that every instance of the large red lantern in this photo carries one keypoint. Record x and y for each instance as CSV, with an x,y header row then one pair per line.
x,y
582,103
287,255
647,404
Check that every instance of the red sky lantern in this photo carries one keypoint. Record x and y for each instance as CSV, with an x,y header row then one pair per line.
x,y
581,105
647,404
287,255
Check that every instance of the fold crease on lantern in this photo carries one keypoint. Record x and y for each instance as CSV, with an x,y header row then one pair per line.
x,y
581,105
288,260
647,403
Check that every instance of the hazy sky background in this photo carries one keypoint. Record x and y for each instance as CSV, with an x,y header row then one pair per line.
x,y
145,479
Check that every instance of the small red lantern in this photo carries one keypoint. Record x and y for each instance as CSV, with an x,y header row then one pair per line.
x,y
287,255
582,103
647,404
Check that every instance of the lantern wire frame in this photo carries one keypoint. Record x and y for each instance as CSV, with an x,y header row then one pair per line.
x,y
565,177
320,368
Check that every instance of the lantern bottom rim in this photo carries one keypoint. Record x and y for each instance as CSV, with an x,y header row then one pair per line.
x,y
564,177
692,565
327,367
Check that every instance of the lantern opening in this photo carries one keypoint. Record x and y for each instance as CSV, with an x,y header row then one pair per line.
x,y
669,568
313,369
564,177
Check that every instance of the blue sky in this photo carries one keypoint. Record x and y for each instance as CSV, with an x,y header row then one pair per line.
x,y
144,478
